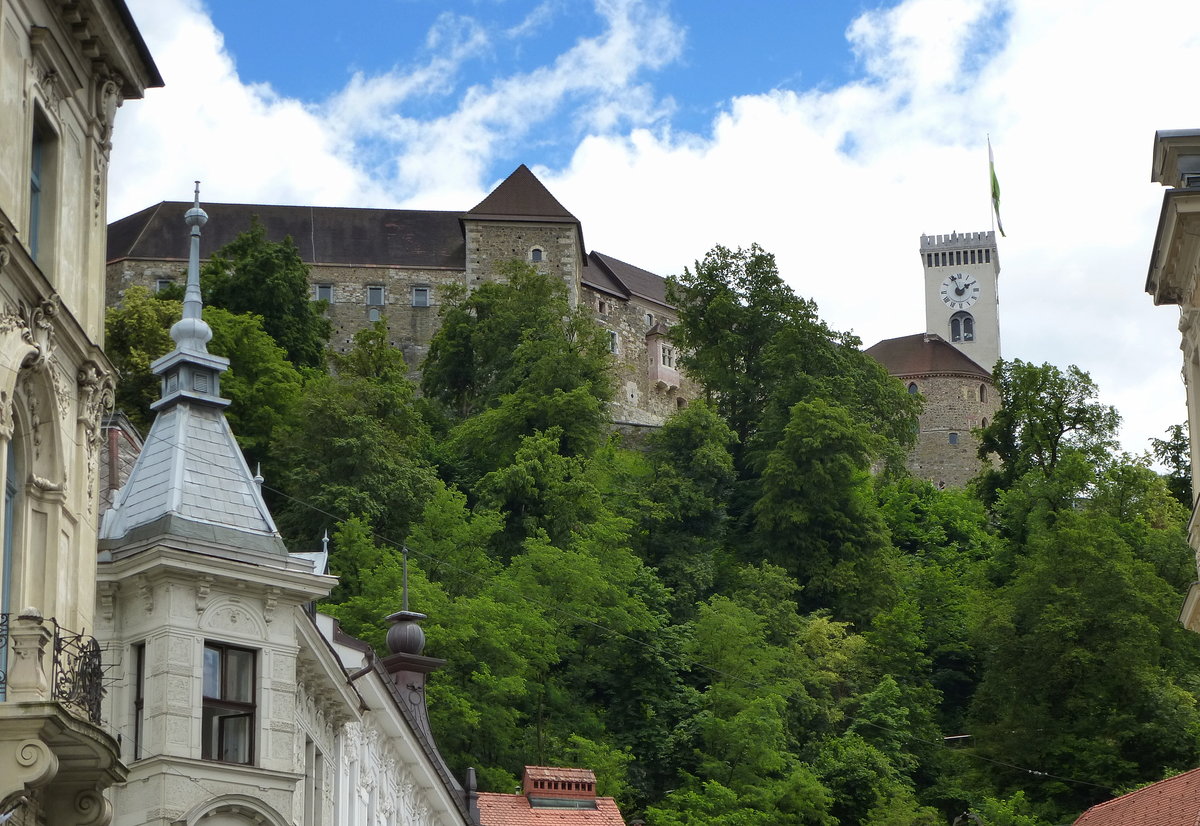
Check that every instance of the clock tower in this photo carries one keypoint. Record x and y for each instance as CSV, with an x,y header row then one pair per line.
x,y
962,301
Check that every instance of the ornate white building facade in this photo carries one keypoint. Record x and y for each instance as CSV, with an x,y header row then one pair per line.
x,y
234,702
65,67
1174,278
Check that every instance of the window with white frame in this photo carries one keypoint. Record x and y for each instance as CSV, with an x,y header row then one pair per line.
x,y
163,284
535,255
375,296
420,296
228,706
323,292
613,342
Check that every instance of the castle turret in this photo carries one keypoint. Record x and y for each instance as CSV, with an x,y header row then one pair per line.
x,y
962,299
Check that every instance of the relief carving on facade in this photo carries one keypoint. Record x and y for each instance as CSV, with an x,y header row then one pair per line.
x,y
97,394
38,322
7,239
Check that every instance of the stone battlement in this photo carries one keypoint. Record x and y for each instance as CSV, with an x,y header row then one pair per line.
x,y
958,241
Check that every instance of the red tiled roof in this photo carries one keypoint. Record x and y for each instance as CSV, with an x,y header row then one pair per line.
x,y
1171,802
923,353
514,810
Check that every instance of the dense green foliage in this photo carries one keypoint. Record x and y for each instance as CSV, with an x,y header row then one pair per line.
x,y
755,617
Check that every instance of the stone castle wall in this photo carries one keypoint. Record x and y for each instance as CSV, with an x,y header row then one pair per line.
x,y
947,447
491,243
647,391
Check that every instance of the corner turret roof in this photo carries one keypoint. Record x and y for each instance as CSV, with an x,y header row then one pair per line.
x,y
191,481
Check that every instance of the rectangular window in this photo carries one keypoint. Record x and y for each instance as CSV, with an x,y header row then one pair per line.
x,y
374,296
163,284
37,169
323,292
314,780
612,342
228,714
420,296
139,699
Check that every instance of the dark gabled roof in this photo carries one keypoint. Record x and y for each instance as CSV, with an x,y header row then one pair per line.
x,y
924,354
1171,802
521,197
617,277
323,235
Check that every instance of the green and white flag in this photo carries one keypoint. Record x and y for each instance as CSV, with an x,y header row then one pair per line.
x,y
995,189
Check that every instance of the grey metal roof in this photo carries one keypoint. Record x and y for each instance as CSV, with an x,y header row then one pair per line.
x,y
191,468
191,480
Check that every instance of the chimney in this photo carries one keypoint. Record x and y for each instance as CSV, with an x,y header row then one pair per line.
x,y
559,788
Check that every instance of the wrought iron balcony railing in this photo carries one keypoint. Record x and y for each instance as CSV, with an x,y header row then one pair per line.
x,y
76,676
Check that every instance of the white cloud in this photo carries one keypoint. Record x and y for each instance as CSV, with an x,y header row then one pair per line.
x,y
838,182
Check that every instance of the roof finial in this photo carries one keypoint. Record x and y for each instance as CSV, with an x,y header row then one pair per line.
x,y
325,542
404,579
191,332
258,477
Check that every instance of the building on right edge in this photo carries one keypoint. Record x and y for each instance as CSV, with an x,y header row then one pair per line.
x,y
1172,279
950,363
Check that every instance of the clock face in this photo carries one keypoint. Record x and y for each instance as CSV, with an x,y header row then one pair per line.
x,y
960,291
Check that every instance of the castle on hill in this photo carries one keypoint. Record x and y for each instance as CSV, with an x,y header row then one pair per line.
x,y
950,364
397,264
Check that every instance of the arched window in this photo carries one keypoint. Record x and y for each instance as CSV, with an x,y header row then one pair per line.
x,y
983,392
535,255
953,438
962,327
984,422
912,388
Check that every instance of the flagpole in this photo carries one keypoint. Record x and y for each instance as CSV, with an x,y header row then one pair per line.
x,y
991,210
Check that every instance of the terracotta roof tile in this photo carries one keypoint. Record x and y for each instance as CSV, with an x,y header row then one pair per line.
x,y
921,354
1171,802
514,810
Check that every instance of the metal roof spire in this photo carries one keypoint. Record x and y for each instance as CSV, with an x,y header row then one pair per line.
x,y
191,333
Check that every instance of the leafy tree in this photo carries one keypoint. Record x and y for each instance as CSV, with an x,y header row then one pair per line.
x,y
253,275
357,445
1175,453
137,332
684,512
1047,412
818,517
758,348
262,386
1088,673
510,359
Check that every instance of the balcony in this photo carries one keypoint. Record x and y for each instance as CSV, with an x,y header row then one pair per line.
x,y
53,749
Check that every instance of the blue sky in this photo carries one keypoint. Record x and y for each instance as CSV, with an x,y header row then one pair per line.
x,y
832,133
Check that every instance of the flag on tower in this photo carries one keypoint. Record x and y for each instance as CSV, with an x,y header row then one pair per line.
x,y
995,188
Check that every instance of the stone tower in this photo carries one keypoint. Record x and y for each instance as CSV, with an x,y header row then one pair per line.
x,y
962,300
